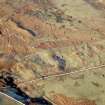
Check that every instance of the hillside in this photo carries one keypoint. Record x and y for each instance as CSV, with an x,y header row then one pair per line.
x,y
53,41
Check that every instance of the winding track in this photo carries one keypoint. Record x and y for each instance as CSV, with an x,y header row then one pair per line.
x,y
64,74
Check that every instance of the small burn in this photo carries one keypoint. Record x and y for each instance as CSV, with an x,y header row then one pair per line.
x,y
61,62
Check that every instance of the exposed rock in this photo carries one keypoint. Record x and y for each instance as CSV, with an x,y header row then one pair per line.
x,y
63,100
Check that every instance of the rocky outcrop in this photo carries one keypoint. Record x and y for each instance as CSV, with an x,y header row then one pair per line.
x,y
63,100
